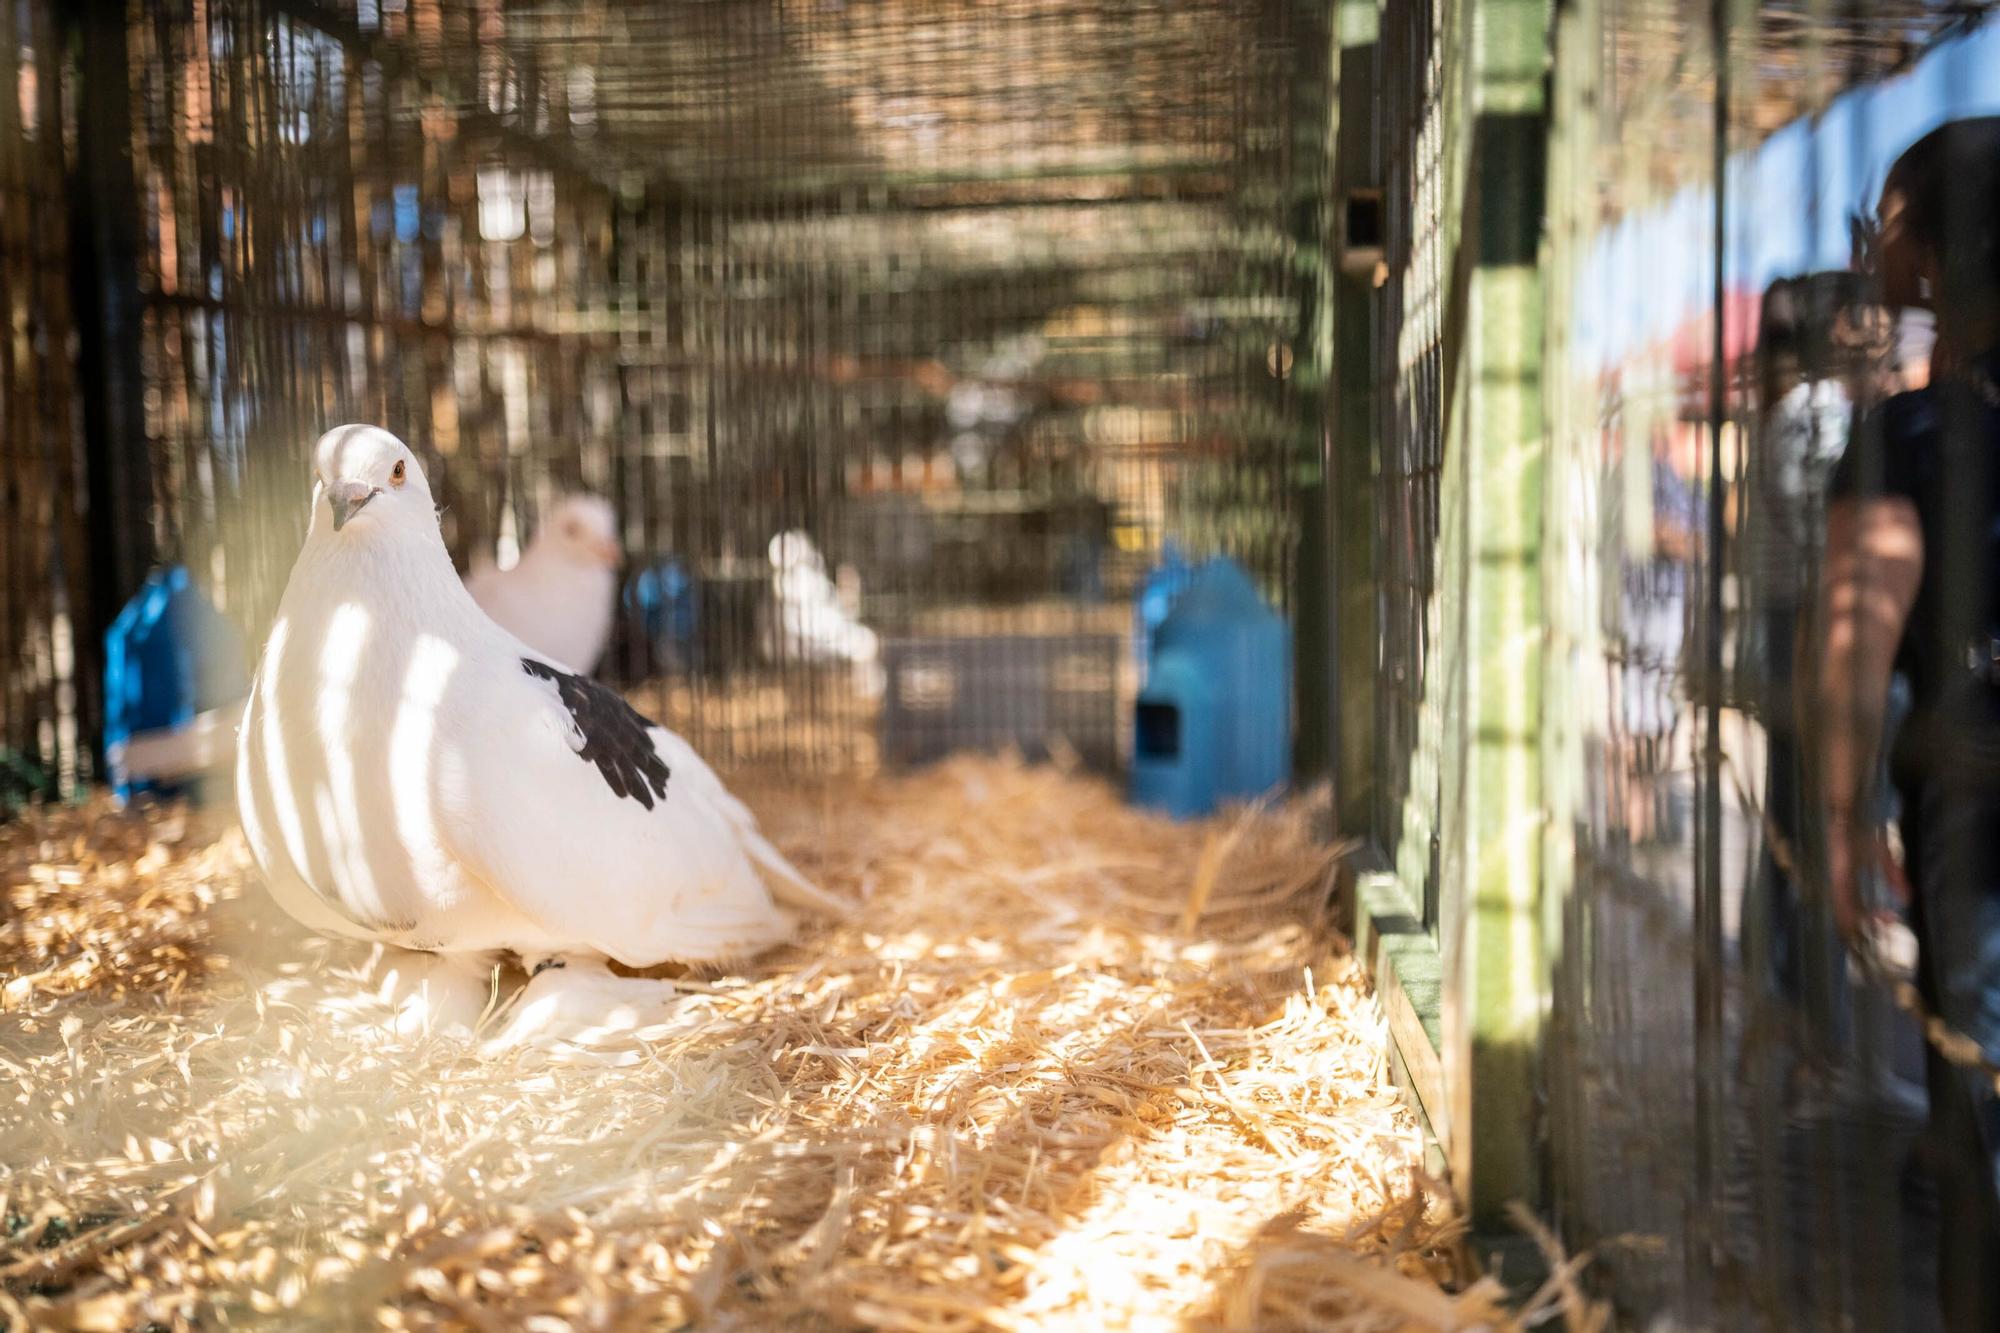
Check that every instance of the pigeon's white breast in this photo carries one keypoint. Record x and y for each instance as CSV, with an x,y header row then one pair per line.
x,y
351,745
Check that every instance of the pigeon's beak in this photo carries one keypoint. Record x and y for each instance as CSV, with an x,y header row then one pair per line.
x,y
345,498
607,551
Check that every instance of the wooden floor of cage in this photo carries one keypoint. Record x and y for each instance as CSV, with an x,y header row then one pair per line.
x,y
1070,1067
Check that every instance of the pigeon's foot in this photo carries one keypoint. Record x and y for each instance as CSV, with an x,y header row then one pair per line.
x,y
412,995
575,1011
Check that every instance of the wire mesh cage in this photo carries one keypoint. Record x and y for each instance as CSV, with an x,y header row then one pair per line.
x,y
871,320
45,569
1410,358
899,334
1721,1077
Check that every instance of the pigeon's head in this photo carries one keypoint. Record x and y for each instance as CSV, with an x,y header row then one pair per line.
x,y
583,530
794,550
370,481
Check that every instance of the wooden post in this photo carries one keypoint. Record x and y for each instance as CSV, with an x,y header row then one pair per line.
x,y
1493,1013
105,256
1462,977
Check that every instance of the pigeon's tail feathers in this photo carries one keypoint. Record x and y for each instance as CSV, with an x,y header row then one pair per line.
x,y
787,885
724,800
739,930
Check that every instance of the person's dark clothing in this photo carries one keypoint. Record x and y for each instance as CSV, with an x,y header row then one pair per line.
x,y
1939,448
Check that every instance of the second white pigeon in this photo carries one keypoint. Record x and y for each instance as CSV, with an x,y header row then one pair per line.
x,y
809,621
413,774
559,598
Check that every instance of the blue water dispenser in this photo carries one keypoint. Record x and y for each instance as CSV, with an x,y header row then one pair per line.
x,y
1213,720
175,681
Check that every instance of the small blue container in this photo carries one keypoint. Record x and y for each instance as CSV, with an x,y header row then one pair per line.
x,y
1228,663
666,599
168,656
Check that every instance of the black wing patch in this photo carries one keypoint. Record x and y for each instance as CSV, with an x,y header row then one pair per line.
x,y
614,735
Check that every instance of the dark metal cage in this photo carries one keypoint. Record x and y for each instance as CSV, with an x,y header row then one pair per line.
x,y
47,590
1411,356
984,299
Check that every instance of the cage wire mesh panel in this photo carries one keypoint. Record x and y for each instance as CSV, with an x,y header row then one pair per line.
x,y
325,240
48,707
1731,1110
1410,359
1008,304
1621,1056
948,312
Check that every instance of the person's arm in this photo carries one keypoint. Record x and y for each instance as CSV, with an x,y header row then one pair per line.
x,y
1874,560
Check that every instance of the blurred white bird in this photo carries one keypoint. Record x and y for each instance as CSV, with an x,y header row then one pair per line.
x,y
560,597
411,773
810,620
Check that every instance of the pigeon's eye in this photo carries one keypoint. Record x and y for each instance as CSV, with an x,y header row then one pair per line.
x,y
396,473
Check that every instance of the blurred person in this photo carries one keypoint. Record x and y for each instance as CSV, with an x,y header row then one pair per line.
x,y
1654,595
1912,329
1806,392
1912,548
1854,1059
1915,332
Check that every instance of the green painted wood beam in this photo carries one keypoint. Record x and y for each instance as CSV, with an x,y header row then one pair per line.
x,y
1467,1004
1493,1031
1401,956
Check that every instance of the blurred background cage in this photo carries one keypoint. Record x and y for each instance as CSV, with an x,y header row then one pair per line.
x,y
984,299
1449,319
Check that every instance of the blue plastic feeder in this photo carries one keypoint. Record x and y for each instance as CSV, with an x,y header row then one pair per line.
x,y
666,599
1213,721
169,656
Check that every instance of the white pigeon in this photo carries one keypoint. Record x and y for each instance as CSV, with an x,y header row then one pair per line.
x,y
810,620
558,599
413,774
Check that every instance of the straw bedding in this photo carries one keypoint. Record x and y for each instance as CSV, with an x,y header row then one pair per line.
x,y
1069,1067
